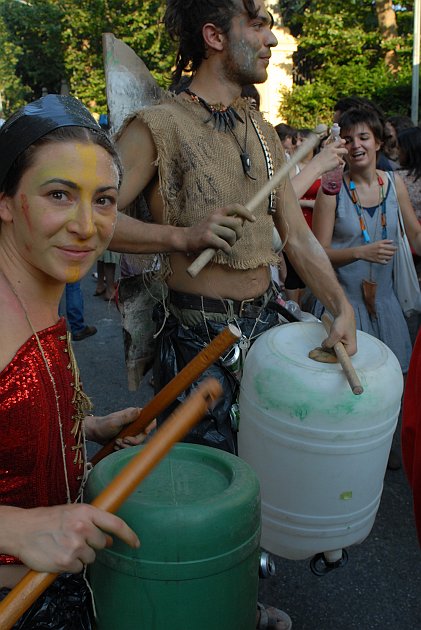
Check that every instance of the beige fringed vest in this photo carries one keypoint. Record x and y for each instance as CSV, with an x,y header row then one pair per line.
x,y
200,169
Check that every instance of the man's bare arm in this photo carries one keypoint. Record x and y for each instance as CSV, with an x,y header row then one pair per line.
x,y
313,265
219,230
138,154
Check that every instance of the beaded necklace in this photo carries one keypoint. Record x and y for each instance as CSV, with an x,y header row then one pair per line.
x,y
225,119
360,210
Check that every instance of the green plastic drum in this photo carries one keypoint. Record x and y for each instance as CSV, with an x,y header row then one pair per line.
x,y
198,518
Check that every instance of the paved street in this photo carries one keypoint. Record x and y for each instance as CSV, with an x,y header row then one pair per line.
x,y
379,588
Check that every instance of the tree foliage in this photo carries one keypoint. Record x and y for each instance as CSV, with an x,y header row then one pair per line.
x,y
45,42
342,51
12,90
30,54
138,24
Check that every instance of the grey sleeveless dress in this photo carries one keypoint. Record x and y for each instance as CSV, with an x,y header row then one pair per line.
x,y
390,325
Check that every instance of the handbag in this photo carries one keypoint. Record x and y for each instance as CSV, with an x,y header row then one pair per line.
x,y
405,280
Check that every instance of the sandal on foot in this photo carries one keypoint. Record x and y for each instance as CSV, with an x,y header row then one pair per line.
x,y
272,618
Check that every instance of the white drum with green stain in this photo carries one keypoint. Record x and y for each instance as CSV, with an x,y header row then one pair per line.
x,y
320,452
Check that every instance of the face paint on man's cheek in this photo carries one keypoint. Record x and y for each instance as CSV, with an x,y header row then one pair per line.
x,y
244,54
249,58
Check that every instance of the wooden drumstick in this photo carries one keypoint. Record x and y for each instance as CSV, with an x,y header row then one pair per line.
x,y
344,360
24,594
176,386
206,256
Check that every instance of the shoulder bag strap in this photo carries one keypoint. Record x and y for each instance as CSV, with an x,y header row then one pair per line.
x,y
400,217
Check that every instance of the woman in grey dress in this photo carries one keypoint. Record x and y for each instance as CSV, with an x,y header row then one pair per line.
x,y
358,229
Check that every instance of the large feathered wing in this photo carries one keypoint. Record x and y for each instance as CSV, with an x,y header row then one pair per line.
x,y
129,84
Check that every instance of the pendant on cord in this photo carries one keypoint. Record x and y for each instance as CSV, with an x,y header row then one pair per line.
x,y
246,162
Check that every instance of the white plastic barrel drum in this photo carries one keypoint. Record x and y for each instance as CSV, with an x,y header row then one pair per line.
x,y
319,451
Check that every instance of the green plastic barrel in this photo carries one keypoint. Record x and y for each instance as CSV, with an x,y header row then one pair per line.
x,y
198,518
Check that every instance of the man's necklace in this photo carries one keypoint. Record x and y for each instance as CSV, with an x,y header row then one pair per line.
x,y
225,119
360,210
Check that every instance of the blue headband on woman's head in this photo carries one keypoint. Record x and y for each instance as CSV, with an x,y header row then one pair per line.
x,y
37,119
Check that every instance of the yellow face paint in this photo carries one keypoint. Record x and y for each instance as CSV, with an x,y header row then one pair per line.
x,y
65,208
85,170
73,274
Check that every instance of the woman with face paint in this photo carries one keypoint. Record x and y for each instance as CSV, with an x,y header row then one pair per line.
x,y
59,182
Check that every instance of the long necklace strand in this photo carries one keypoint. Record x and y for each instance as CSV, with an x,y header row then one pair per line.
x,y
244,155
269,165
56,396
53,383
360,210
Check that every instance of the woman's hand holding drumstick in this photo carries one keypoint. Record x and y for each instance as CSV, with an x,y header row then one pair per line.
x,y
175,428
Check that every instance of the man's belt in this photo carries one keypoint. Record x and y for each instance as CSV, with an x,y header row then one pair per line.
x,y
240,308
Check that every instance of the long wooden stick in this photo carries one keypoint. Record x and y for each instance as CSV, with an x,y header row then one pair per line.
x,y
206,256
344,360
174,429
178,384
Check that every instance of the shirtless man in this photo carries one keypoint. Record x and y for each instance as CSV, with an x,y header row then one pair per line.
x,y
198,151
190,155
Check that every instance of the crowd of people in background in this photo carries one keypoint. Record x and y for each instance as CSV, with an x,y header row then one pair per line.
x,y
382,171
399,151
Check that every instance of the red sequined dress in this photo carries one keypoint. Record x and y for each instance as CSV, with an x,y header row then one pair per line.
x,y
31,456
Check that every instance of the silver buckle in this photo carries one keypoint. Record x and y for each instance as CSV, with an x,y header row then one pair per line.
x,y
243,305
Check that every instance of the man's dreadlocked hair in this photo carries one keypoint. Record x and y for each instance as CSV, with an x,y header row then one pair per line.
x,y
184,20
